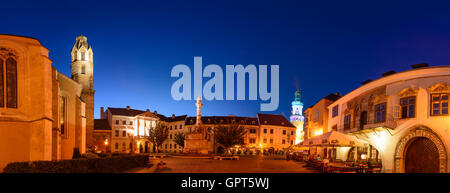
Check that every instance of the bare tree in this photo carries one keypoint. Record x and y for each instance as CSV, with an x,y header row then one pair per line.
x,y
158,135
229,135
179,138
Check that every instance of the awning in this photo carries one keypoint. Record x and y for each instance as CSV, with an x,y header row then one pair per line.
x,y
333,138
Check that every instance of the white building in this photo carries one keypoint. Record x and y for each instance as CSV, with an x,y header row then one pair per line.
x,y
403,116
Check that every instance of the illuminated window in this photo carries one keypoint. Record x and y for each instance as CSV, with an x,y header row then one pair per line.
x,y
408,106
439,104
8,83
124,133
380,112
347,121
117,133
63,115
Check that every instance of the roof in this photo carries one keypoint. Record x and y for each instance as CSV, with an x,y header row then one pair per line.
x,y
332,97
134,112
125,111
272,119
223,120
101,124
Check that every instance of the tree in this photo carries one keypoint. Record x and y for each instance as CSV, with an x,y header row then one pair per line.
x,y
158,135
179,138
229,135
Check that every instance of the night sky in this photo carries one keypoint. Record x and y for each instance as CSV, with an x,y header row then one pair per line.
x,y
323,47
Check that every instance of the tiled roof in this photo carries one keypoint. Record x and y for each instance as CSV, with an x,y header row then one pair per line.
x,y
176,118
271,119
125,112
223,120
101,124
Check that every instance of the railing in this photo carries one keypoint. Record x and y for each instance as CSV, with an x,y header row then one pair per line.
x,y
390,122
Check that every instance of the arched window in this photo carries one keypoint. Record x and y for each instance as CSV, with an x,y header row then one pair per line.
x,y
11,83
75,56
2,84
83,56
8,83
83,69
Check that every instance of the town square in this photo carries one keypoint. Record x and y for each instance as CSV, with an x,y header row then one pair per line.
x,y
255,88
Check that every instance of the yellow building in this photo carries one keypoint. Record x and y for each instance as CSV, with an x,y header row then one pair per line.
x,y
42,113
316,116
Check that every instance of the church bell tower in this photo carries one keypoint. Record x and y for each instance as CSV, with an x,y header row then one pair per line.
x,y
82,67
297,117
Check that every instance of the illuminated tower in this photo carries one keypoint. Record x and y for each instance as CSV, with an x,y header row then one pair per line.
x,y
297,117
82,67
199,105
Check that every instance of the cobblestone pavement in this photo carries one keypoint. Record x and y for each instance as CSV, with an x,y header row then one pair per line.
x,y
255,164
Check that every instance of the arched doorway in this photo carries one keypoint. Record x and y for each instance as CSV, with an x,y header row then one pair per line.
x,y
420,150
421,156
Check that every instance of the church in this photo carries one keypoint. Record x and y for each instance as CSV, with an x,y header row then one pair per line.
x,y
44,115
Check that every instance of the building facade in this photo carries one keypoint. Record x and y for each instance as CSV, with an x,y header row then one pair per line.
x,y
403,116
316,116
42,112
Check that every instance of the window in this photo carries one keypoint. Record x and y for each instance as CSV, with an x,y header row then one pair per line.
x,y
124,122
170,146
317,114
170,136
175,127
252,130
439,104
252,140
174,146
271,141
283,141
124,146
335,111
408,107
117,122
347,121
83,69
117,133
380,112
170,128
181,126
292,142
292,132
165,146
62,116
265,140
124,133
8,91
265,130
116,146
284,132
131,146
83,56
131,122
271,131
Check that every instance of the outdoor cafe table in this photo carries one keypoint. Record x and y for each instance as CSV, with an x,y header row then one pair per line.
x,y
341,167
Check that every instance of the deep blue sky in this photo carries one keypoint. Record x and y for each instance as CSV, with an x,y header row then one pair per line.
x,y
322,47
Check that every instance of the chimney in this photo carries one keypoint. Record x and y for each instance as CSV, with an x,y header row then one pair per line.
x,y
173,116
388,73
155,112
148,110
128,107
102,115
415,66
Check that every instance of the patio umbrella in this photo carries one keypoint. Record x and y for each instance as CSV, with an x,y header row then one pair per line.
x,y
334,139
